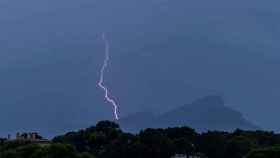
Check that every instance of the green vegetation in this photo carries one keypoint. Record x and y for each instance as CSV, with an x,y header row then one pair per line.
x,y
268,152
53,150
106,140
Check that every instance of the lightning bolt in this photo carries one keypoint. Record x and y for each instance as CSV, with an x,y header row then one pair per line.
x,y
101,81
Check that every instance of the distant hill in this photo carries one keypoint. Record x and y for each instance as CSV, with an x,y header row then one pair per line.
x,y
137,121
207,113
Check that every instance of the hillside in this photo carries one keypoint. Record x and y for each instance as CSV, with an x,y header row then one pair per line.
x,y
207,113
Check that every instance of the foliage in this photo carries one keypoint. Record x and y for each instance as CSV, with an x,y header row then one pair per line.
x,y
269,152
43,151
106,140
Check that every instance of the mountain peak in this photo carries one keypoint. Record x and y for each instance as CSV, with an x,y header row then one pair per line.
x,y
209,101
206,113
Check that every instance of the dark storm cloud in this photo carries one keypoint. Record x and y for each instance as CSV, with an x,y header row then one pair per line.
x,y
164,54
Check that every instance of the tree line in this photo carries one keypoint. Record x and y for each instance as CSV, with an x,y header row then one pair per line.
x,y
107,140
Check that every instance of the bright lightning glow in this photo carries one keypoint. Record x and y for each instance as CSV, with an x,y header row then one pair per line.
x,y
100,83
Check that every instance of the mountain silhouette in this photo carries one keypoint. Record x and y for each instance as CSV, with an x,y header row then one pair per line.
x,y
207,113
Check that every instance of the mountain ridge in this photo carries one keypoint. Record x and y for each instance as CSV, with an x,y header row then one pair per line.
x,y
207,113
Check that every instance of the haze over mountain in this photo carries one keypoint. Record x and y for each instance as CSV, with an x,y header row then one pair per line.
x,y
207,113
164,54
